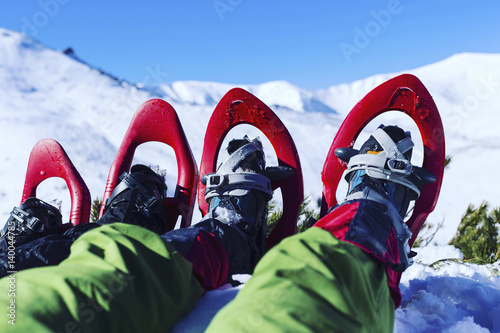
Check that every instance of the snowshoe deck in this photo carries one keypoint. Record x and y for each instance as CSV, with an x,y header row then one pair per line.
x,y
48,159
156,120
241,107
407,94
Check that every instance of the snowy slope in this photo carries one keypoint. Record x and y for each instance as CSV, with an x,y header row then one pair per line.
x,y
466,89
45,93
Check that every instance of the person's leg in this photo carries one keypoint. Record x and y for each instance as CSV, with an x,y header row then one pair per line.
x,y
32,234
236,222
163,284
312,282
341,275
118,278
46,251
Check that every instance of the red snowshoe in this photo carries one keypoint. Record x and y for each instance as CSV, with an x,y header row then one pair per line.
x,y
407,94
156,120
240,107
48,159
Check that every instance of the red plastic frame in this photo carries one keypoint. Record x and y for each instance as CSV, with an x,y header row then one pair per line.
x,y
407,94
48,159
241,107
156,120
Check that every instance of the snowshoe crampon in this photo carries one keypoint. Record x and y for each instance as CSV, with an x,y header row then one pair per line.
x,y
407,94
156,120
240,107
48,159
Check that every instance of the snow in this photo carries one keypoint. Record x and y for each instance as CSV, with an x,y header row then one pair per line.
x,y
448,297
206,308
45,93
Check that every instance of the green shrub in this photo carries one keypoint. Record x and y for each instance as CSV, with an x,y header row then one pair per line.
x,y
427,233
305,213
447,160
477,235
429,230
273,215
95,209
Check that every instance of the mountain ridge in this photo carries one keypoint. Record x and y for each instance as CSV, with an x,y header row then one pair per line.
x,y
46,93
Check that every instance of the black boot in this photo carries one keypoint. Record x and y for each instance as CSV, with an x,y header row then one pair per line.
x,y
384,182
237,195
383,165
238,192
31,220
138,199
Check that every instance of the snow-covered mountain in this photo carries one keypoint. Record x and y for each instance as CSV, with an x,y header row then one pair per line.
x,y
48,93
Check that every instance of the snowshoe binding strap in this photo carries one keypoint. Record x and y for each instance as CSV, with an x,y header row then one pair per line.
x,y
236,184
389,164
150,200
403,233
31,220
235,178
236,159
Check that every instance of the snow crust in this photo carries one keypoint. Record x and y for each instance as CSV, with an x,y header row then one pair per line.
x,y
45,93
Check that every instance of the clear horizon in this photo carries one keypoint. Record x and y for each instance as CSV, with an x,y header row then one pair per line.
x,y
312,45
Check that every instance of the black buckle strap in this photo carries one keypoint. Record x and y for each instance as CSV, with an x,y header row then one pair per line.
x,y
24,226
20,227
27,220
154,205
133,182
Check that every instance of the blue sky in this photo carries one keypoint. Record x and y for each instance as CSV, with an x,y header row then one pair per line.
x,y
313,44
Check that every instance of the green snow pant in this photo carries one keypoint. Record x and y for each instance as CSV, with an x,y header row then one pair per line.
x,y
311,282
123,278
118,278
